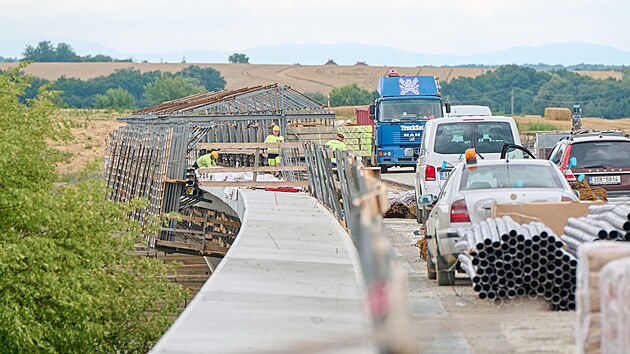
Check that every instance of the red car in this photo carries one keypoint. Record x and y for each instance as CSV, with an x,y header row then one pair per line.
x,y
603,160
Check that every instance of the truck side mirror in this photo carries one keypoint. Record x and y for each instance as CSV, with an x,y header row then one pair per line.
x,y
447,107
372,109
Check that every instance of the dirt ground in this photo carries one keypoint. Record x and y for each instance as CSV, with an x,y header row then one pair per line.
x,y
90,129
445,319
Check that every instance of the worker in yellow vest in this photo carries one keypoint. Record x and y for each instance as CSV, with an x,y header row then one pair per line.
x,y
207,160
273,153
337,144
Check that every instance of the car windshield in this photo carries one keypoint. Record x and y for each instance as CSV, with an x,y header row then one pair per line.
x,y
510,176
411,110
600,154
486,137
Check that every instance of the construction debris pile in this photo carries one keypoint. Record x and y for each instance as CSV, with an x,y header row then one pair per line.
x,y
506,261
604,222
402,206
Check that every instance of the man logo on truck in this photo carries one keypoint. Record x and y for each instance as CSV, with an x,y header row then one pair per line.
x,y
409,86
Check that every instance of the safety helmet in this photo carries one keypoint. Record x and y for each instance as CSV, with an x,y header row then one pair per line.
x,y
276,128
340,135
214,155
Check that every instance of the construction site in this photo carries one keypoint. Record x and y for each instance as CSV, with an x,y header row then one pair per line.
x,y
323,253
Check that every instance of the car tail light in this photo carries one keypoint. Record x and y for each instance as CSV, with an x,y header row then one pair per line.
x,y
459,211
429,173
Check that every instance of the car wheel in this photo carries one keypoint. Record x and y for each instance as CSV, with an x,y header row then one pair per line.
x,y
384,169
444,277
430,265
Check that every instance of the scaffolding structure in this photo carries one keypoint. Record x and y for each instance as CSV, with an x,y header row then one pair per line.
x,y
149,157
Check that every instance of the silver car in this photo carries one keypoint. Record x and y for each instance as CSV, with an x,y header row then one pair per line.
x,y
470,192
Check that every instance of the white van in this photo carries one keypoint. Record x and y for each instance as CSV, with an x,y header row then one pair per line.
x,y
445,141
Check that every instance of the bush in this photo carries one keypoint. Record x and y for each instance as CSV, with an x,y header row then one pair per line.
x,y
116,99
350,95
67,282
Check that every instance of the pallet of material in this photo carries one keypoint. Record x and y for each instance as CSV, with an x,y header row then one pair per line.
x,y
590,297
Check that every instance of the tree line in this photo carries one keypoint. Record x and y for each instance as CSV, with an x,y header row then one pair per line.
x,y
129,88
527,90
45,51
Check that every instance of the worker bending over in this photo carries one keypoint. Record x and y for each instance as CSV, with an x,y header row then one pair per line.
x,y
207,160
337,144
273,153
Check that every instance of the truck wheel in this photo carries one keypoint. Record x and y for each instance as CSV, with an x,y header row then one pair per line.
x,y
430,265
384,169
444,277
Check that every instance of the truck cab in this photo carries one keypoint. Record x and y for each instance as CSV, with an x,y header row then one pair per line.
x,y
404,105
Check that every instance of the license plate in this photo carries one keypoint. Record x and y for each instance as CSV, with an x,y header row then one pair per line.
x,y
444,175
600,180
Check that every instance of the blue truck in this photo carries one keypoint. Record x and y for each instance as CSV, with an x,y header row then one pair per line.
x,y
404,105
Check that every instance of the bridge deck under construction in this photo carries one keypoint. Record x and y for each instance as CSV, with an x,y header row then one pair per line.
x,y
290,283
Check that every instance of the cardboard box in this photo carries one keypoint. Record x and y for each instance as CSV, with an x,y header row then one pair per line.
x,y
554,215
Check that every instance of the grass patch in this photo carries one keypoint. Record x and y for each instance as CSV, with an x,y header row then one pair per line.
x,y
537,126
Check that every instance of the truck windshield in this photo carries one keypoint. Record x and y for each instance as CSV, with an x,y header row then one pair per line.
x,y
409,110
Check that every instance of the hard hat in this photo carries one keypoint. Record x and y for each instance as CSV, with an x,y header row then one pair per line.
x,y
214,155
275,127
392,73
340,135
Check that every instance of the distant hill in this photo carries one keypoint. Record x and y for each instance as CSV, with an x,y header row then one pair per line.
x,y
305,78
349,53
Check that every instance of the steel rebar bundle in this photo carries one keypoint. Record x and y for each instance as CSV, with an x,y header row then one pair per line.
x,y
604,222
507,261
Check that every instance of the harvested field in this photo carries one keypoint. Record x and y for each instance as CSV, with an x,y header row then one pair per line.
x,y
305,78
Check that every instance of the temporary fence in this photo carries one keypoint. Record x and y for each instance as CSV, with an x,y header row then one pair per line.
x,y
359,200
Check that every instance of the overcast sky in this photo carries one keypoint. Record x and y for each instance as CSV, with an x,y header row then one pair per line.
x,y
438,26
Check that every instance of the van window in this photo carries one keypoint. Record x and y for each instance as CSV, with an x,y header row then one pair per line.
x,y
453,138
486,137
490,136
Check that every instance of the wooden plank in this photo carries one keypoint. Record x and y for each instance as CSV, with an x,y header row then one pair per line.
x,y
251,184
173,180
251,169
192,218
224,222
183,231
211,247
247,146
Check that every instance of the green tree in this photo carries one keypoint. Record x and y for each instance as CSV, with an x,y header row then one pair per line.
x,y
43,52
117,99
168,88
317,96
67,282
350,95
210,78
238,58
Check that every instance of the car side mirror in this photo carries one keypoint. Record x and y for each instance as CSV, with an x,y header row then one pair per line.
x,y
447,107
426,199
572,162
